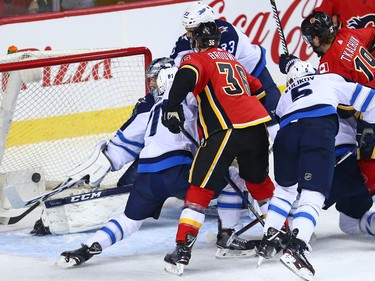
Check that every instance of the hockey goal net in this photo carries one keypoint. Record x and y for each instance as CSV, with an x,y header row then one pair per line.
x,y
57,105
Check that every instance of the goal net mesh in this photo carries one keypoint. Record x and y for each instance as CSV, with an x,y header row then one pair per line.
x,y
83,97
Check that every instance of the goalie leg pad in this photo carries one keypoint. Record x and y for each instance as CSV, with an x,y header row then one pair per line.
x,y
84,212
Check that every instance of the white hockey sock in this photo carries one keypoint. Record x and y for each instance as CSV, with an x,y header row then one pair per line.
x,y
229,205
367,223
349,225
280,206
115,230
307,213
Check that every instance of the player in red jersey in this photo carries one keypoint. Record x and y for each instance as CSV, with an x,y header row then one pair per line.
x,y
233,124
349,13
350,53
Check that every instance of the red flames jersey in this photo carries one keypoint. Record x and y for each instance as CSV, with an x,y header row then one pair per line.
x,y
348,56
351,13
223,90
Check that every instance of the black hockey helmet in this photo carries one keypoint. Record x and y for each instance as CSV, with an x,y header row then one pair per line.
x,y
207,35
317,24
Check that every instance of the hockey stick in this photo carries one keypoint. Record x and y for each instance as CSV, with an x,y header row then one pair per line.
x,y
228,180
248,226
345,156
245,199
279,27
16,201
15,219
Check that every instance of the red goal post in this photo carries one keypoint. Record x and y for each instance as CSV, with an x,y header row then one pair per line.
x,y
57,105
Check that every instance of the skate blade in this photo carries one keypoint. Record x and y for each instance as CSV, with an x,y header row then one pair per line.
x,y
66,264
304,273
260,261
227,253
177,269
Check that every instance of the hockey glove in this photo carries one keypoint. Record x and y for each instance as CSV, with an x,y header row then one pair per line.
x,y
94,168
286,61
365,139
173,119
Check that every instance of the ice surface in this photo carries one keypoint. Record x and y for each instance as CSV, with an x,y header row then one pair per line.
x,y
335,255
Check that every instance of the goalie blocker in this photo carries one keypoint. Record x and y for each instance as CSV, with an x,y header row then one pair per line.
x,y
81,212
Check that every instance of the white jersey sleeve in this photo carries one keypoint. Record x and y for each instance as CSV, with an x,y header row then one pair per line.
x,y
128,142
163,149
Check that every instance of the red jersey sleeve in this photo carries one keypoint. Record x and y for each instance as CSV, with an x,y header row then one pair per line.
x,y
349,56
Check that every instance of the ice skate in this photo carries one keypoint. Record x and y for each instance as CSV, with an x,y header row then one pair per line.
x,y
231,246
77,257
294,258
272,243
176,261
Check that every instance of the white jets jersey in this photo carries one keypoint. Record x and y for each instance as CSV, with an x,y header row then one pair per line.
x,y
319,95
234,41
144,136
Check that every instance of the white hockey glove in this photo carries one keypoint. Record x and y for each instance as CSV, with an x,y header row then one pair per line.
x,y
94,168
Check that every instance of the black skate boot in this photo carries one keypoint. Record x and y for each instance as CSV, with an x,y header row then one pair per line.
x,y
180,257
69,259
39,229
272,243
294,258
230,245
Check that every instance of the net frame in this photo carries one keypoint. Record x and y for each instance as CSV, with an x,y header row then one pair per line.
x,y
34,60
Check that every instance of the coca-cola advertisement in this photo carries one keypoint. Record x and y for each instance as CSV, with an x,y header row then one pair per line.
x,y
157,25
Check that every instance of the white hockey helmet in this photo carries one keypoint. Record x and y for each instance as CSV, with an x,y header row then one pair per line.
x,y
153,73
196,14
299,69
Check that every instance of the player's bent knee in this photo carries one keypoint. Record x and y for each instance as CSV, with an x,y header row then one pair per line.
x,y
198,196
349,225
262,190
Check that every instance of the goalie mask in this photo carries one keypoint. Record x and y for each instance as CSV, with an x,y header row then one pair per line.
x,y
298,70
155,85
196,14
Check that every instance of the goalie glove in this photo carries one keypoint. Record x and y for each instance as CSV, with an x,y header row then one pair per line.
x,y
173,119
94,168
286,61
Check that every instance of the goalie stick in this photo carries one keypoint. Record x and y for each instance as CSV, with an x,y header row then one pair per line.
x,y
16,201
279,27
15,219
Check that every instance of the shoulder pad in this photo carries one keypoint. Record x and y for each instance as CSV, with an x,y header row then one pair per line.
x,y
182,44
144,104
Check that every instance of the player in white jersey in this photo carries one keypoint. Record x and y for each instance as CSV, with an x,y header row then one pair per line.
x,y
164,164
234,41
163,167
304,156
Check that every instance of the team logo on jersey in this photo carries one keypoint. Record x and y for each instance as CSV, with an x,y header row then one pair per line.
x,y
185,58
323,68
308,176
363,21
223,29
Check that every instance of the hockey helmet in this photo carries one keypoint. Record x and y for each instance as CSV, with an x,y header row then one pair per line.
x,y
317,24
207,35
153,72
196,14
298,70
